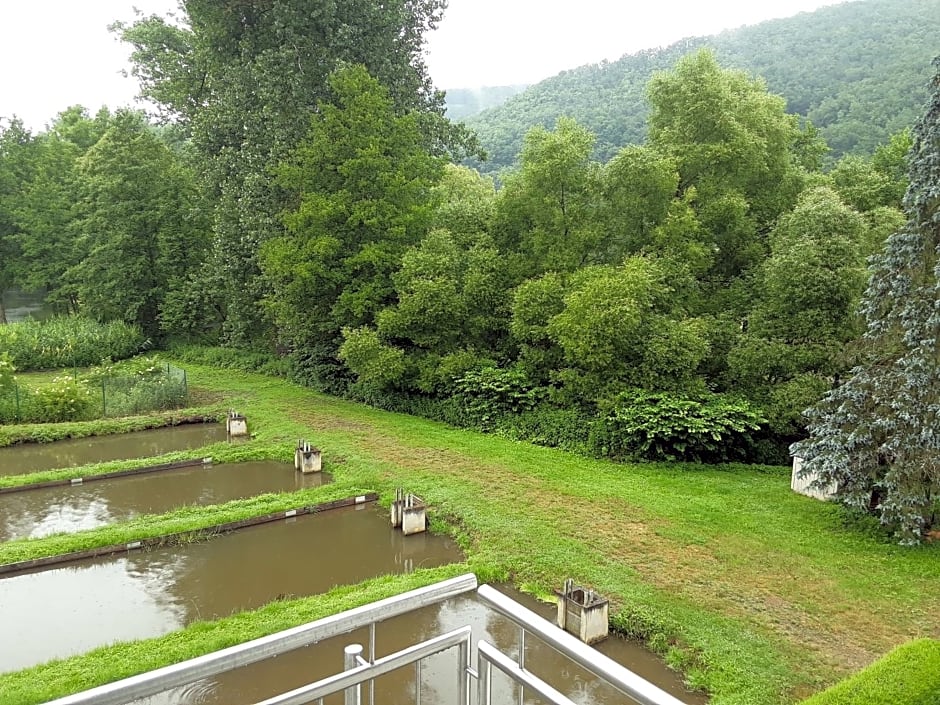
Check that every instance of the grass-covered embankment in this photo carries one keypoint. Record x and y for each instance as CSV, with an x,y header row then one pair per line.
x,y
760,595
909,675
11,434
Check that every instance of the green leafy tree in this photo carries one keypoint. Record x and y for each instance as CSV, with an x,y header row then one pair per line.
x,y
243,77
620,328
545,213
638,187
17,149
465,202
809,289
875,435
135,225
732,142
362,182
46,206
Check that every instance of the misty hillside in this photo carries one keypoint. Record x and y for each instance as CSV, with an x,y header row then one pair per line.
x,y
858,71
464,102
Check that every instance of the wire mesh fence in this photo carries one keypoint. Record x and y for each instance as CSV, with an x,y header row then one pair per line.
x,y
75,398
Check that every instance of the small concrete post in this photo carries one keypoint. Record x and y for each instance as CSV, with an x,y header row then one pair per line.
x,y
307,458
804,485
397,507
583,612
236,424
351,654
414,518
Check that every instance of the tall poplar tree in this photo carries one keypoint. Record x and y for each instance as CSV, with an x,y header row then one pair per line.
x,y
136,224
361,185
244,76
877,435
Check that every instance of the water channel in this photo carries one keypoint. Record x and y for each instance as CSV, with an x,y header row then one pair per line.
x,y
40,512
20,305
24,458
438,685
69,610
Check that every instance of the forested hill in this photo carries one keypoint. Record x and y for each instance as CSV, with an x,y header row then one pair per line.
x,y
858,71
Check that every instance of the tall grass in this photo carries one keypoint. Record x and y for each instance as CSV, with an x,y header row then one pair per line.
x,y
68,341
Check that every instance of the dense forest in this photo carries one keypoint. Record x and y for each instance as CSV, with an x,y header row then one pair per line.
x,y
684,298
857,71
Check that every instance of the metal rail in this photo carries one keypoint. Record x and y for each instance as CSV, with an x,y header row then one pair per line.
x,y
153,682
489,656
624,680
354,677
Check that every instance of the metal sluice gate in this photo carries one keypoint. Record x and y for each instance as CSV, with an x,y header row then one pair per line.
x,y
360,670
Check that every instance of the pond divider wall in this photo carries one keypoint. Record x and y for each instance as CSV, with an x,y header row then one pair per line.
x,y
166,539
108,475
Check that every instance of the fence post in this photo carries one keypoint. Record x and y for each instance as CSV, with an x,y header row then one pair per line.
x,y
353,694
16,390
104,398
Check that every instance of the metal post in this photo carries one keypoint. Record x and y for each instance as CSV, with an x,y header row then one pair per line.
x,y
463,673
521,662
371,660
418,682
351,654
485,677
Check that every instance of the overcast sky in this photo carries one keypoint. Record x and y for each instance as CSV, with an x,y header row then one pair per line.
x,y
56,53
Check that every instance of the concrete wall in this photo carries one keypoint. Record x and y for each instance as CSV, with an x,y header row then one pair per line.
x,y
803,485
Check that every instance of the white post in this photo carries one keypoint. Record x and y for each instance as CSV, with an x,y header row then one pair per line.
x,y
351,654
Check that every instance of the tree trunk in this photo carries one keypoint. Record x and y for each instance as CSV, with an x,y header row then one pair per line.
x,y
3,312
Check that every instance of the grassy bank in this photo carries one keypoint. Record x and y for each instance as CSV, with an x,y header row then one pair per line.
x,y
11,434
760,595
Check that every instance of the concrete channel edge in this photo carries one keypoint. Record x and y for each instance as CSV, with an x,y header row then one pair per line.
x,y
178,465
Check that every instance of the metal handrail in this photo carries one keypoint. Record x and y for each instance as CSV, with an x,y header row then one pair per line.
x,y
367,671
153,682
488,656
624,680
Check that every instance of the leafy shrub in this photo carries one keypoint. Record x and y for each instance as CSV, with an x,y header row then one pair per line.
x,y
7,380
664,426
267,363
68,341
567,429
488,393
128,395
65,399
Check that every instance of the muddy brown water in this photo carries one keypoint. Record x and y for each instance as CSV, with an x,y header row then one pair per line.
x,y
25,458
69,610
49,510
438,685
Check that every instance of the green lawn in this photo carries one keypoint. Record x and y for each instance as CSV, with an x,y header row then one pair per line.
x,y
760,595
